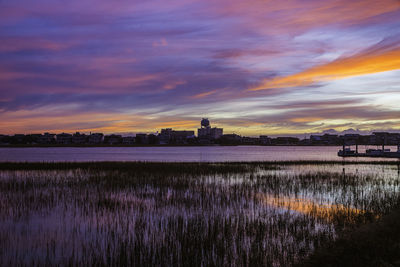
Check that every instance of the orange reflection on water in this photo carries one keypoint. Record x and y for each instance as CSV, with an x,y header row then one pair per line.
x,y
325,211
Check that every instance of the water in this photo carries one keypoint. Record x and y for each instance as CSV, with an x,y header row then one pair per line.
x,y
174,154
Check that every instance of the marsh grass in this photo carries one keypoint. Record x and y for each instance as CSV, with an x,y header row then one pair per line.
x,y
373,244
180,214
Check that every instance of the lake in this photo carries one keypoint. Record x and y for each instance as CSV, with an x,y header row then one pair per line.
x,y
175,154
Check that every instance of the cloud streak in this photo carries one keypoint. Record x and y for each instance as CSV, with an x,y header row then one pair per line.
x,y
167,64
379,58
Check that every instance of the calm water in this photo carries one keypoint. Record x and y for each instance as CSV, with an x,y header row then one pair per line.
x,y
174,154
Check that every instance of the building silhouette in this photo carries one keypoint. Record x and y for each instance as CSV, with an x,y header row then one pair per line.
x,y
206,134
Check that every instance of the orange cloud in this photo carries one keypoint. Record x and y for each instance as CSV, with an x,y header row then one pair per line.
x,y
126,81
306,119
173,84
56,119
178,124
367,62
201,95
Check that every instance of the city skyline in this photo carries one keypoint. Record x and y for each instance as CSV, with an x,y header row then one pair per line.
x,y
254,67
206,135
156,132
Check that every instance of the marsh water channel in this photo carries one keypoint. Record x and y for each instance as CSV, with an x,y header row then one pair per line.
x,y
179,214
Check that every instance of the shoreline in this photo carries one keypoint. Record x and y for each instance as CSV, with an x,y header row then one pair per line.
x,y
155,145
54,165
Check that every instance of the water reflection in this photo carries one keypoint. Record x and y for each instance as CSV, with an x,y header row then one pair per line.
x,y
325,211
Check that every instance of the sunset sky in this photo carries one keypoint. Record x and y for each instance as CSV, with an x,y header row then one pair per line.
x,y
252,67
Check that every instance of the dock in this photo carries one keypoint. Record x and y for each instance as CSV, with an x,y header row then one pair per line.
x,y
370,153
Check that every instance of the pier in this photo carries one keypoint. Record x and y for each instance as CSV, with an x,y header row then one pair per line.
x,y
373,153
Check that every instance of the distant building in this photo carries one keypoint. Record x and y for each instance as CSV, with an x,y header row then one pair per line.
x,y
169,136
96,138
152,139
46,138
363,140
386,138
78,138
315,139
208,134
231,139
165,136
142,138
331,139
33,138
326,139
250,140
3,138
265,140
113,139
351,139
64,138
128,140
393,139
19,139
286,140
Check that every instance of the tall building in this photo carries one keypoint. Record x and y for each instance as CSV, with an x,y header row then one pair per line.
x,y
206,133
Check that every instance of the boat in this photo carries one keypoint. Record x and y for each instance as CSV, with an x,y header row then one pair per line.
x,y
346,152
384,153
376,152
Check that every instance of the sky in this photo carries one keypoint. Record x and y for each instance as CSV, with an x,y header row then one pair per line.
x,y
252,67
